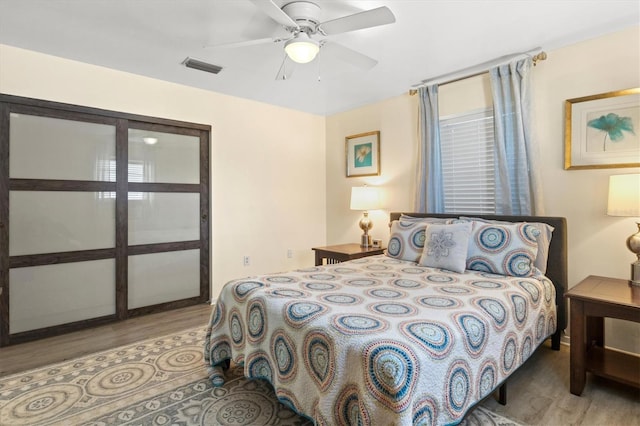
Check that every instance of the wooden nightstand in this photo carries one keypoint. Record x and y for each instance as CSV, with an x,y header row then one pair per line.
x,y
593,299
344,252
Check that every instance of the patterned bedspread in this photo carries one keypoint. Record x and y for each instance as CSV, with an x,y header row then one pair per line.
x,y
379,340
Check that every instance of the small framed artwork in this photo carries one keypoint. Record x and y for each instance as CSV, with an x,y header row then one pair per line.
x,y
363,154
603,131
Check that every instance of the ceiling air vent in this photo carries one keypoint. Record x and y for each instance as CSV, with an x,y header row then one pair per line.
x,y
202,66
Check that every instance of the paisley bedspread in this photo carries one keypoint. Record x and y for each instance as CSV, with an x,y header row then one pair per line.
x,y
379,340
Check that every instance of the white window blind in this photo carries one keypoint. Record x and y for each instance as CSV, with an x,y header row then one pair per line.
x,y
467,142
107,172
136,174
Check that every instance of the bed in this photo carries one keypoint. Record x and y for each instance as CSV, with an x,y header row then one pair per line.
x,y
391,338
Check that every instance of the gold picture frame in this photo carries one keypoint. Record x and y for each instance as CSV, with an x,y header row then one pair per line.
x,y
362,152
603,131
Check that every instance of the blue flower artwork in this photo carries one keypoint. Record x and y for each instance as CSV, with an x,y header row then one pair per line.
x,y
613,126
363,155
602,130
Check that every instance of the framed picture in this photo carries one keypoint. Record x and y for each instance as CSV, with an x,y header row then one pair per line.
x,y
363,154
603,131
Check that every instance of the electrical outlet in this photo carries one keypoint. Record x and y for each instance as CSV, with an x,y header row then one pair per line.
x,y
289,253
246,260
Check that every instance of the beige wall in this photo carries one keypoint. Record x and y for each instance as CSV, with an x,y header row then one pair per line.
x,y
267,162
396,119
596,241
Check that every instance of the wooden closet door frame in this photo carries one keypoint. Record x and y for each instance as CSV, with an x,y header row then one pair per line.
x,y
4,224
121,252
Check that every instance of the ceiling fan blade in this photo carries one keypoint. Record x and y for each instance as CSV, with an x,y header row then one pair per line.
x,y
339,51
243,43
274,12
357,21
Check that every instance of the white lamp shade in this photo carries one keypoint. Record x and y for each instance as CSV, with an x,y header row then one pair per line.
x,y
302,48
365,198
624,195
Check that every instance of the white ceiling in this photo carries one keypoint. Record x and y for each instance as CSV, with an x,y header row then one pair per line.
x,y
429,38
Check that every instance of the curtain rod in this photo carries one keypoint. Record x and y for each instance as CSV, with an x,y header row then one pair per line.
x,y
476,70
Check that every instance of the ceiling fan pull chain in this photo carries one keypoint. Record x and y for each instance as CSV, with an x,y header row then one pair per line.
x,y
282,75
282,72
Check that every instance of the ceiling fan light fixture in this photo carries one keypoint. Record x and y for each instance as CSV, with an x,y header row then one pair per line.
x,y
302,49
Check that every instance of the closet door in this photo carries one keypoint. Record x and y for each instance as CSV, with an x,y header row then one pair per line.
x,y
103,216
167,215
61,230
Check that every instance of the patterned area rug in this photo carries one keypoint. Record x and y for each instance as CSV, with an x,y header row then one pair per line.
x,y
159,381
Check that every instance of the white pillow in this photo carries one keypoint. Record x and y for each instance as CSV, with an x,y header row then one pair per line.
x,y
406,240
503,249
446,246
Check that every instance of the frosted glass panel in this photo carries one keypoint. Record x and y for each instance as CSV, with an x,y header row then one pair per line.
x,y
171,158
42,296
162,217
51,148
53,221
163,277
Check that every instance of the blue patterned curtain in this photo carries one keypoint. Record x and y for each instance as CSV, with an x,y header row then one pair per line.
x,y
429,195
518,190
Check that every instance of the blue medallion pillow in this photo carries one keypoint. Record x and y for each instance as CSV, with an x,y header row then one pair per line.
x,y
505,249
543,239
446,246
406,241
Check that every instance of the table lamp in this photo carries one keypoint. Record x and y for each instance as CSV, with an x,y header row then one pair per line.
x,y
365,198
624,200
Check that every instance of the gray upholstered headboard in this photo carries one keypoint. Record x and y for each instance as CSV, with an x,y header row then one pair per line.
x,y
557,269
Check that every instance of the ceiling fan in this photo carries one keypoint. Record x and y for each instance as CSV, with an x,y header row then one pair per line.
x,y
301,19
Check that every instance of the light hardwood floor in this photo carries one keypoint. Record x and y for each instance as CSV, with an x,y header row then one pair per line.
x,y
67,346
538,393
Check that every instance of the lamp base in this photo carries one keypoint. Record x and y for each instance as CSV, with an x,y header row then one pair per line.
x,y
635,274
365,224
633,244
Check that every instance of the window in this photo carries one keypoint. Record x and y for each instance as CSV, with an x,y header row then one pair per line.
x,y
467,143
